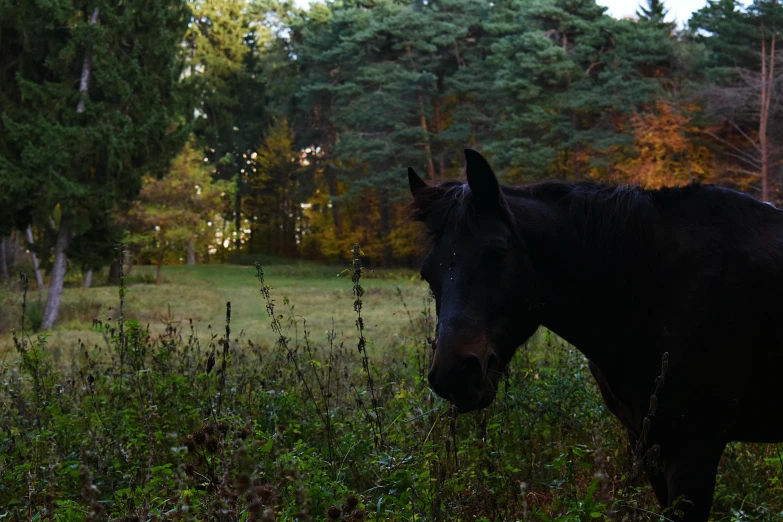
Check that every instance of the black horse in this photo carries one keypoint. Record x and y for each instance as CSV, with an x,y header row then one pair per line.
x,y
691,276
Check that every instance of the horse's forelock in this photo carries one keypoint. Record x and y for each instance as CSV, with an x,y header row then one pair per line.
x,y
432,204
440,207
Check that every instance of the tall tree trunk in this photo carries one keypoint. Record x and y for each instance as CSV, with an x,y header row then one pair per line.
x,y
159,271
767,79
114,273
129,262
438,129
12,250
286,249
252,240
223,246
52,308
3,261
84,83
88,279
383,207
238,215
191,260
30,241
331,180
280,226
427,147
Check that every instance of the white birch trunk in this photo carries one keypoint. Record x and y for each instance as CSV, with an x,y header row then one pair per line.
x,y
52,309
38,276
84,83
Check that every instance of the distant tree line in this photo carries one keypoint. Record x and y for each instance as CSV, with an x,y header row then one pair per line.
x,y
210,130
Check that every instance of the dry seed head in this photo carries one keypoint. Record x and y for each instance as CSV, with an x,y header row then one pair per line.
x,y
265,493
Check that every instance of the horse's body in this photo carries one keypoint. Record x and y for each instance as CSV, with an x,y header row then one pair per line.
x,y
625,275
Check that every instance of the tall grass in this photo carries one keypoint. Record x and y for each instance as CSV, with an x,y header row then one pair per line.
x,y
183,426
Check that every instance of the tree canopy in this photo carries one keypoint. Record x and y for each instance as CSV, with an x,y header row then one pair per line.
x,y
311,115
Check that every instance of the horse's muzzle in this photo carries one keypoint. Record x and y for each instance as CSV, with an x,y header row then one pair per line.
x,y
468,382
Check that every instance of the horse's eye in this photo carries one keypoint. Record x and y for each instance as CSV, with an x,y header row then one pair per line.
x,y
498,247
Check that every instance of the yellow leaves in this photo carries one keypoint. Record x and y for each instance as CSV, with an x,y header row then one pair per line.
x,y
276,158
666,153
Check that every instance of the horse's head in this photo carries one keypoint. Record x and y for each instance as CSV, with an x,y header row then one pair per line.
x,y
480,273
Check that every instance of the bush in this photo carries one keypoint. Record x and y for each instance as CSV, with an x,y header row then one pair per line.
x,y
177,427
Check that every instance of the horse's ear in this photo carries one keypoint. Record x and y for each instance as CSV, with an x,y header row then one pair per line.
x,y
415,182
481,179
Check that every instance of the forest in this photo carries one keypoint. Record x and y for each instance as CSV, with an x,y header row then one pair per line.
x,y
213,130
210,306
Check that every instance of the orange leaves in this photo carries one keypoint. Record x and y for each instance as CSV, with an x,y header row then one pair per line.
x,y
666,151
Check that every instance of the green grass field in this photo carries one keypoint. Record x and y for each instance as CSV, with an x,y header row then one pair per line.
x,y
318,293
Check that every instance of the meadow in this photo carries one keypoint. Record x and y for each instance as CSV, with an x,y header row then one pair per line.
x,y
305,399
318,293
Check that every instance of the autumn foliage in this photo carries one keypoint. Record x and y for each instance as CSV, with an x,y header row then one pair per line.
x,y
668,149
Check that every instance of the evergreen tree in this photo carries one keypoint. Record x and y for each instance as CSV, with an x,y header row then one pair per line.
x,y
655,13
88,109
563,77
177,214
275,184
223,60
97,244
396,58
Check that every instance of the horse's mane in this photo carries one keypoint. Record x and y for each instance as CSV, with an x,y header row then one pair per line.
x,y
600,213
606,216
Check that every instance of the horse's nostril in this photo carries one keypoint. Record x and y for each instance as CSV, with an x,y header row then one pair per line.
x,y
472,363
472,372
458,377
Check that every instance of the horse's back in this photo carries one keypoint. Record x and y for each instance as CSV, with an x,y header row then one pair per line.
x,y
728,307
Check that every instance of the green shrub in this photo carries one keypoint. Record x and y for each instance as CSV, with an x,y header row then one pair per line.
x,y
180,427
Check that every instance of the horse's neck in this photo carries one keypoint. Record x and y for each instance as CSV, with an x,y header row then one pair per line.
x,y
593,285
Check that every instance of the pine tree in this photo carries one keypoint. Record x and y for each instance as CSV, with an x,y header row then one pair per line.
x,y
274,201
400,60
97,244
655,13
86,111
563,76
224,63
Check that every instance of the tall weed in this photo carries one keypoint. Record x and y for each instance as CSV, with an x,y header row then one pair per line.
x,y
183,426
